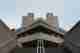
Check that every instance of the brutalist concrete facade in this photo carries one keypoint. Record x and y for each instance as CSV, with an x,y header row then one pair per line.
x,y
7,38
72,38
11,40
51,23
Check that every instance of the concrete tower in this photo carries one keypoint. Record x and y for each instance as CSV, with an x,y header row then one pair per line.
x,y
52,20
27,20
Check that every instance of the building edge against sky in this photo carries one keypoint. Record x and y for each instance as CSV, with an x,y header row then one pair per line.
x,y
40,24
38,28
16,26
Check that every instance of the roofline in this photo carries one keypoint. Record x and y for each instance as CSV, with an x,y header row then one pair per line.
x,y
41,22
74,26
49,27
72,29
4,24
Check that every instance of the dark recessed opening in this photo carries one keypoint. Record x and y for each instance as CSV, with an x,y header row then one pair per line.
x,y
45,44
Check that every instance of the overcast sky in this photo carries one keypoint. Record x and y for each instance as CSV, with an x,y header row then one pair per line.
x,y
68,11
40,7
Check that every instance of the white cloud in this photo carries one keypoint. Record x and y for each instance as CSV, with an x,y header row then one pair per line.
x,y
12,26
40,7
68,27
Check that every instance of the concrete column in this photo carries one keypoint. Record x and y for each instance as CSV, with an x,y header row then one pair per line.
x,y
27,20
52,20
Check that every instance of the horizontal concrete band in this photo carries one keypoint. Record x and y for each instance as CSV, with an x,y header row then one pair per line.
x,y
46,26
40,36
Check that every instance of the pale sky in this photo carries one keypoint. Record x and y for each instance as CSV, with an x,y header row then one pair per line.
x,y
68,11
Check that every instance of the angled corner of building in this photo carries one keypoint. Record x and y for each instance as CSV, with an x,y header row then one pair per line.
x,y
7,38
72,38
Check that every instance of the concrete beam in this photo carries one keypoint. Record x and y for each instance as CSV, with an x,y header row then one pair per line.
x,y
40,36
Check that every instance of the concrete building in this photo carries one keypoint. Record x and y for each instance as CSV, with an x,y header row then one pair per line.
x,y
7,38
38,36
72,38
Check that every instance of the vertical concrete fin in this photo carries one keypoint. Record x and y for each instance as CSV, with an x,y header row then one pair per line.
x,y
52,20
27,20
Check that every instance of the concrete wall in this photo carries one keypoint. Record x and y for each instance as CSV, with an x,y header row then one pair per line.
x,y
27,20
53,21
72,39
4,34
40,36
7,39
